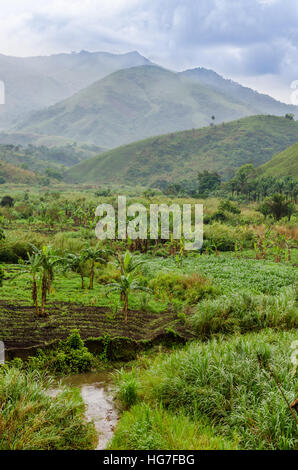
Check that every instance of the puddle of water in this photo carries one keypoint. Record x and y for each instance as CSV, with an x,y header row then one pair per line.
x,y
97,393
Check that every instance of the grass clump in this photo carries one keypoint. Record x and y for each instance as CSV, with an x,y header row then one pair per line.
x,y
32,420
128,388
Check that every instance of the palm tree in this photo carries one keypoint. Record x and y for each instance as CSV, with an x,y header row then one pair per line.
x,y
95,255
278,206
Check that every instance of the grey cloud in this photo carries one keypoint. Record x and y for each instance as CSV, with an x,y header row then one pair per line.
x,y
234,37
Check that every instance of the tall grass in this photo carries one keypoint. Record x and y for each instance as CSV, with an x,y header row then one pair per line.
x,y
32,420
243,312
145,428
223,382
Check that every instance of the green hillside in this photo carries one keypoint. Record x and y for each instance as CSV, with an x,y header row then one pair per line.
x,y
133,104
38,158
283,164
181,155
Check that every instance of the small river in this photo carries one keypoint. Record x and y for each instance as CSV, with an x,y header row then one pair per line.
x,y
97,393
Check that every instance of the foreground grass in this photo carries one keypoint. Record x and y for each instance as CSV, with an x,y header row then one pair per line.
x,y
145,428
224,383
32,420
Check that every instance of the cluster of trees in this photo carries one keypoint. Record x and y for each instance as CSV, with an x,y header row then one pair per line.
x,y
246,183
43,263
207,182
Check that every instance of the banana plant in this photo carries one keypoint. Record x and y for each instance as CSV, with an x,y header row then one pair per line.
x,y
128,263
76,263
95,255
126,284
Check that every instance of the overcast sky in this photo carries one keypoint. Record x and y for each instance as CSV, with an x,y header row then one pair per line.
x,y
252,41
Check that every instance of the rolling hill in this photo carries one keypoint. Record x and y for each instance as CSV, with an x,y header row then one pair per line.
x,y
33,83
283,164
136,103
181,155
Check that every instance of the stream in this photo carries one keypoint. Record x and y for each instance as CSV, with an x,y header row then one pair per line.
x,y
97,393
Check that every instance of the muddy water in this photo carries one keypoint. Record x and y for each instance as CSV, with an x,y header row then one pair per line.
x,y
97,393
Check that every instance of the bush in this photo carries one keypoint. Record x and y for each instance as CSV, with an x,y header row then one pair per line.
x,y
228,206
12,252
224,236
7,201
74,341
189,288
70,357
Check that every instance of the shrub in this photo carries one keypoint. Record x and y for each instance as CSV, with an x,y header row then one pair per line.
x,y
224,236
70,357
74,341
7,201
13,252
189,288
228,206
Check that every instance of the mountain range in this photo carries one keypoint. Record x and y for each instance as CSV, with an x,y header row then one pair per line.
x,y
111,100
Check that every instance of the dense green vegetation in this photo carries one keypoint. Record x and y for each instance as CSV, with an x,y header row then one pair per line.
x,y
222,148
167,349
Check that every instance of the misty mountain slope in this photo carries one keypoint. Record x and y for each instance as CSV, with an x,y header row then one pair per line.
x,y
181,155
132,104
283,164
258,102
34,83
